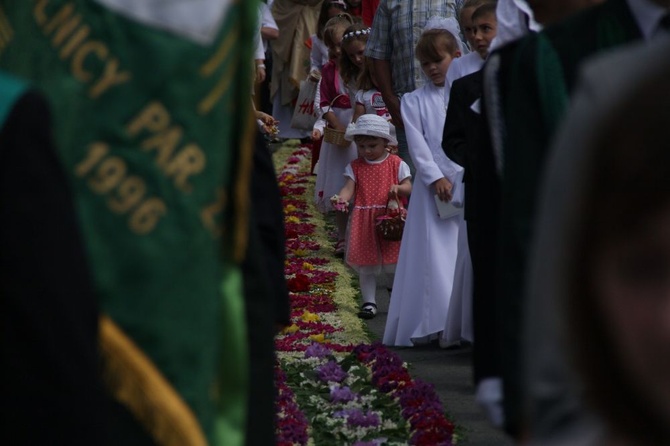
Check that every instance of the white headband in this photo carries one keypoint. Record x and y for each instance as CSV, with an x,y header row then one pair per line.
x,y
339,2
352,34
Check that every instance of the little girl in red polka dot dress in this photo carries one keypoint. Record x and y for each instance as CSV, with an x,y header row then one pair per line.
x,y
373,179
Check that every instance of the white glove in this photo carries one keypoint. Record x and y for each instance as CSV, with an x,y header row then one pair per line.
x,y
489,396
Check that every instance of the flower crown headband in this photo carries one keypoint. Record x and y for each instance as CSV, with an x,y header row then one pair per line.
x,y
352,34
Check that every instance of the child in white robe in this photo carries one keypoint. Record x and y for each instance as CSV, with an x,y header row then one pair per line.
x,y
425,272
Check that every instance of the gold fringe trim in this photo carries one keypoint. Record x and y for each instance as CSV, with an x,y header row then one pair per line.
x,y
136,382
242,186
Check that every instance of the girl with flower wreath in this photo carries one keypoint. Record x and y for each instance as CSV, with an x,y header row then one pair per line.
x,y
346,41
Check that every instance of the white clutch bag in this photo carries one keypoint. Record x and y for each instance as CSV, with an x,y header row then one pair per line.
x,y
446,209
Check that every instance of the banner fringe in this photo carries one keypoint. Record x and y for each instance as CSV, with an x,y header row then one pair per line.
x,y
135,382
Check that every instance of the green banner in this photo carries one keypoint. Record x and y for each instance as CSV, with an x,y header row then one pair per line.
x,y
149,125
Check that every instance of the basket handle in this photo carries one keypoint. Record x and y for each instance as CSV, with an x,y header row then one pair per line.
x,y
336,98
333,101
397,200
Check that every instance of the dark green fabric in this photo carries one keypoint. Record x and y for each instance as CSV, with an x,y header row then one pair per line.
x,y
158,258
11,89
537,86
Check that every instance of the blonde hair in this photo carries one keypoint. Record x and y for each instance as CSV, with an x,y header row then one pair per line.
x,y
485,9
474,4
434,44
337,24
364,80
357,32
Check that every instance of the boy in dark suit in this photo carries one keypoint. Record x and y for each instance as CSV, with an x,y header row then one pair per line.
x,y
466,141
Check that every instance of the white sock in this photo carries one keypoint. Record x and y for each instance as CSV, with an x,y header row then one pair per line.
x,y
368,283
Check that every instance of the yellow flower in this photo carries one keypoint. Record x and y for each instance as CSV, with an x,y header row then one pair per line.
x,y
300,252
310,317
291,329
320,338
290,208
308,266
292,219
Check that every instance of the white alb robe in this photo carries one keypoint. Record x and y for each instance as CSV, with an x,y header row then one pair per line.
x,y
422,288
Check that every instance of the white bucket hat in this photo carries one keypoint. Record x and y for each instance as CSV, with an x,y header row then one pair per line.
x,y
372,125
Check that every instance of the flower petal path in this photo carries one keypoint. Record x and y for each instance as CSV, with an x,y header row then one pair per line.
x,y
334,386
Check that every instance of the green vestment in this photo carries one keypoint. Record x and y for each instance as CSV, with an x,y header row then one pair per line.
x,y
154,130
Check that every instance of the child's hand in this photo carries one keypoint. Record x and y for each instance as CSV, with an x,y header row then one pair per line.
x,y
339,204
267,119
393,193
269,123
260,74
314,76
443,189
316,135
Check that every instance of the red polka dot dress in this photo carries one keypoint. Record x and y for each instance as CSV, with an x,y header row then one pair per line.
x,y
366,251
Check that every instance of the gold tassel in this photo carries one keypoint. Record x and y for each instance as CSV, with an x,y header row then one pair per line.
x,y
135,381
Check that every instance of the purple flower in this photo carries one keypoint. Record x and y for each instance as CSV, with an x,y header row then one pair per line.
x,y
331,371
344,413
341,394
317,350
358,418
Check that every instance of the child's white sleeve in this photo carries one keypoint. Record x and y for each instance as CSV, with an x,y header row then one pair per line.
x,y
349,172
315,55
359,97
427,170
317,101
403,172
320,125
267,19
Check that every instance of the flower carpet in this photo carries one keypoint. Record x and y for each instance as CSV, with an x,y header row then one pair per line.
x,y
335,387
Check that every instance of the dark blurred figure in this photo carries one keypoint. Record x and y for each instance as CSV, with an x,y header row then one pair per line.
x,y
266,294
598,314
537,76
51,393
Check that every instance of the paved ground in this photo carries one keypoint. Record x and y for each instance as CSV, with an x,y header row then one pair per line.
x,y
451,373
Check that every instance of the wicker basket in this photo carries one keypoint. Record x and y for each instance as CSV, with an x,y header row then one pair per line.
x,y
391,224
332,136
